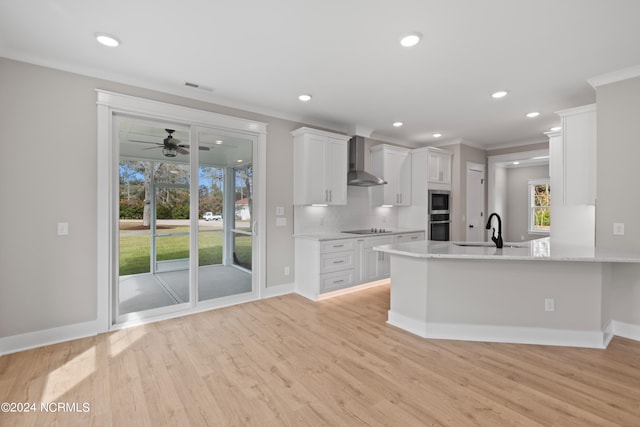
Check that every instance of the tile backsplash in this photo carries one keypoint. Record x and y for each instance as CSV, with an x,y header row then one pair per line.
x,y
358,213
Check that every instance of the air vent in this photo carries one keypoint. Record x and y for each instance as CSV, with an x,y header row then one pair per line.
x,y
197,86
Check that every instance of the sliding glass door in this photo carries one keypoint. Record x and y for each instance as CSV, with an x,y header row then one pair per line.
x,y
185,233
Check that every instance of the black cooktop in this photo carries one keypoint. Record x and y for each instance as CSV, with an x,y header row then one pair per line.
x,y
368,231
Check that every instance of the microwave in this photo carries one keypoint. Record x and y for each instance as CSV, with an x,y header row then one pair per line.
x,y
439,201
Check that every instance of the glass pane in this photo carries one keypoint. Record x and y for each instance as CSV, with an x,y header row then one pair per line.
x,y
242,253
224,203
135,236
541,195
541,221
154,216
210,209
242,244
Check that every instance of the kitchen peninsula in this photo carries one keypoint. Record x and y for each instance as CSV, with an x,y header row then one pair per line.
x,y
527,292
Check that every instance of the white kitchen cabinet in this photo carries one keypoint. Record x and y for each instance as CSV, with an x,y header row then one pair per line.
x,y
324,266
320,167
427,163
374,265
393,164
439,167
573,158
409,237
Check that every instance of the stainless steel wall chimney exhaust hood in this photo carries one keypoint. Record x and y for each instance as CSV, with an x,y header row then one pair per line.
x,y
357,175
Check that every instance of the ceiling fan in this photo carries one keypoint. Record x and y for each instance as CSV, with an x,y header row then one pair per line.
x,y
170,146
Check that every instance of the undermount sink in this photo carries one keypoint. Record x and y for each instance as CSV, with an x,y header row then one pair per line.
x,y
490,244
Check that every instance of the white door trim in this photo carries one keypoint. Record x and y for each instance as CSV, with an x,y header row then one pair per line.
x,y
110,103
478,167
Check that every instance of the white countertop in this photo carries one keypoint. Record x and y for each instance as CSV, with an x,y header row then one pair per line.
x,y
337,235
534,250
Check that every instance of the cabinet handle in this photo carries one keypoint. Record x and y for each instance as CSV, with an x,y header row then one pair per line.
x,y
338,281
338,262
414,237
338,246
330,196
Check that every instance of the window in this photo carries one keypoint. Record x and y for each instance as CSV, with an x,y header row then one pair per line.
x,y
539,206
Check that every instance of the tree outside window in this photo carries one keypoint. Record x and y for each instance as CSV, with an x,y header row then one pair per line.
x,y
539,206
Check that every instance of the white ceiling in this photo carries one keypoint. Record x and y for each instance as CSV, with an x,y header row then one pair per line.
x,y
260,55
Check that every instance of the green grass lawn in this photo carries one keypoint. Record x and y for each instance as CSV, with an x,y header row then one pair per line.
x,y
135,249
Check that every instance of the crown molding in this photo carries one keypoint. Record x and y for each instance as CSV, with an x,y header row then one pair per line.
x,y
615,76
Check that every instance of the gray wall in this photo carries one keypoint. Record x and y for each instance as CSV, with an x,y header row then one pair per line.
x,y
618,151
516,218
618,193
48,121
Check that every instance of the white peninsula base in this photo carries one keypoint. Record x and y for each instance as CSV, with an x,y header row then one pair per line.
x,y
501,300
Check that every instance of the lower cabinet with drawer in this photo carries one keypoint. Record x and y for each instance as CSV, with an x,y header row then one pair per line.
x,y
324,266
330,265
409,237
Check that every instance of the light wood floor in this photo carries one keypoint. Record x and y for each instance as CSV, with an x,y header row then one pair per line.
x,y
289,361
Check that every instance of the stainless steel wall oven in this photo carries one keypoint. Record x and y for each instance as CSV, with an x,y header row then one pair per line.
x,y
439,215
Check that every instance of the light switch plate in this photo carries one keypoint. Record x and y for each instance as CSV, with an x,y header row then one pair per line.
x,y
63,228
279,210
618,228
281,222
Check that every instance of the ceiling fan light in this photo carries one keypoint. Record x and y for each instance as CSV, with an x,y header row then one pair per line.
x,y
169,152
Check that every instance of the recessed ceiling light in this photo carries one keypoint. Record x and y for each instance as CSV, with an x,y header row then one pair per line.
x,y
437,135
239,160
304,97
219,141
533,114
555,128
107,39
499,94
410,39
516,163
397,124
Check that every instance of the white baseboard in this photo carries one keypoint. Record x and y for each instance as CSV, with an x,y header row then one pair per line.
x,y
277,290
504,334
626,330
29,340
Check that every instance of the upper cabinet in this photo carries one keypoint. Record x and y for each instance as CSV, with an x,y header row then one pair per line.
x,y
439,167
431,170
320,166
393,164
573,157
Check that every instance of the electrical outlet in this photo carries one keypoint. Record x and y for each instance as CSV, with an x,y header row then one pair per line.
x,y
549,304
287,271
